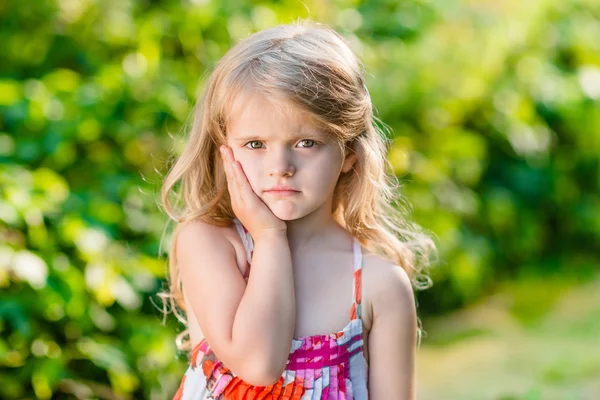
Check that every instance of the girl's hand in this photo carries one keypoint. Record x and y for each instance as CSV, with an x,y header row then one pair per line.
x,y
252,212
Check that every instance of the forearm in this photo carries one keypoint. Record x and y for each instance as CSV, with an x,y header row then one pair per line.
x,y
264,322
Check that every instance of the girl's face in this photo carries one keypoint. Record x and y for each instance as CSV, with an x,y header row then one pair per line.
x,y
283,149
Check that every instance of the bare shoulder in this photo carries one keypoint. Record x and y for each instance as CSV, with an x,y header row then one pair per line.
x,y
195,237
194,229
387,286
197,241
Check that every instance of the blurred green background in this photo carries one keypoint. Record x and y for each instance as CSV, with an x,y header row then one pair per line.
x,y
495,111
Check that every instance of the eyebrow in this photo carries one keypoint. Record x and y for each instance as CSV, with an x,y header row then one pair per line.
x,y
307,135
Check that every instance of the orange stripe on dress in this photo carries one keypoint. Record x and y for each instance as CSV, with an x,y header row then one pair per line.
x,y
357,284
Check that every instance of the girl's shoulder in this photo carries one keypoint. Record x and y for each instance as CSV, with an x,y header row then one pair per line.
x,y
205,237
382,279
197,229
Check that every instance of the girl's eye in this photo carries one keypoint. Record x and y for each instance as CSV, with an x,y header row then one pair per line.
x,y
257,144
312,143
253,142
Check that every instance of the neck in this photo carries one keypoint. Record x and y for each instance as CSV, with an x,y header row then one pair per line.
x,y
313,229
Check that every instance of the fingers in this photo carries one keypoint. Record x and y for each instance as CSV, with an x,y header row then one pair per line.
x,y
228,164
243,186
236,179
228,173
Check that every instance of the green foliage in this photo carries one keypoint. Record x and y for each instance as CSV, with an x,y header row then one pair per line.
x,y
494,109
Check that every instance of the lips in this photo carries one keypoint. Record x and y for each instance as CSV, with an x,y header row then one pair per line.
x,y
282,191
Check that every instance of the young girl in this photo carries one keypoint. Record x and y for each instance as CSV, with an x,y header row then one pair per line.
x,y
292,263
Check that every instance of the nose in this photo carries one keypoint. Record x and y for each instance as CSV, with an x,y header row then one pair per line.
x,y
281,164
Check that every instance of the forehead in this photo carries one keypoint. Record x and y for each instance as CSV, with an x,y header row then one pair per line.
x,y
253,113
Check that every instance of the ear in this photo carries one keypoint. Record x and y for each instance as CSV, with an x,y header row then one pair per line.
x,y
349,161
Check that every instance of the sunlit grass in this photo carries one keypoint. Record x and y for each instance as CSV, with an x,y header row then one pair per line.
x,y
509,348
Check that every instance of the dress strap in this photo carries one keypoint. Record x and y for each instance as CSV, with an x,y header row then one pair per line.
x,y
248,243
355,311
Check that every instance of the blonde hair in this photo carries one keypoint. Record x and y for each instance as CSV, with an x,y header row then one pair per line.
x,y
311,67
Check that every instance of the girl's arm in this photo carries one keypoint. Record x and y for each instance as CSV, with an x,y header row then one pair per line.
x,y
393,335
249,328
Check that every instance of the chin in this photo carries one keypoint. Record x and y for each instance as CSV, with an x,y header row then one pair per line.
x,y
287,212
286,215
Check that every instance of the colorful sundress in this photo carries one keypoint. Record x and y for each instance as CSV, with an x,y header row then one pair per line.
x,y
330,366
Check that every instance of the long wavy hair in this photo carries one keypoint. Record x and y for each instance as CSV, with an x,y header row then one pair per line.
x,y
311,67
